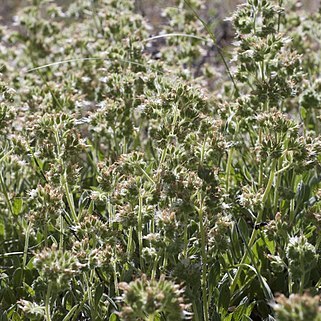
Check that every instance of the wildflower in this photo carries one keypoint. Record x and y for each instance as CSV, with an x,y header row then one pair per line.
x,y
32,310
302,257
56,266
143,299
297,307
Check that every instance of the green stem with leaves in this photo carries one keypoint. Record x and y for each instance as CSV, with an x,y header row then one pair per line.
x,y
204,256
258,220
140,229
47,302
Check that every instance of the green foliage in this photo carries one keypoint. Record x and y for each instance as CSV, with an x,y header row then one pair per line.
x,y
139,182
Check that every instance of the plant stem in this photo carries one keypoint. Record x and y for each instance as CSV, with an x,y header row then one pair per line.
x,y
70,199
254,232
151,317
47,302
154,269
5,193
261,163
302,281
130,241
204,257
61,236
25,249
185,240
140,229
228,168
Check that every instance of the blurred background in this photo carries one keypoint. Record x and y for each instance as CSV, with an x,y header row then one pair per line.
x,y
150,8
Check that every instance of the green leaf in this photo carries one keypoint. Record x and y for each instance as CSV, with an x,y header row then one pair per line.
x,y
29,289
17,206
239,312
258,248
265,287
236,241
157,317
91,207
30,265
9,297
216,316
70,313
214,275
228,318
98,293
243,228
249,309
303,113
17,277
242,311
270,244
224,298
15,317
1,228
113,317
